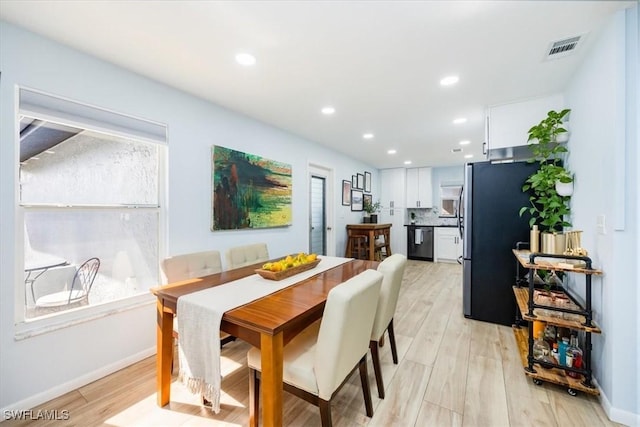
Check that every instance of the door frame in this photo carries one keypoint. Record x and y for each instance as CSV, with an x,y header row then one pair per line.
x,y
315,169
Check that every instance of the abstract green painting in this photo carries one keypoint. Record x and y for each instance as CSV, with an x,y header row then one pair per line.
x,y
249,191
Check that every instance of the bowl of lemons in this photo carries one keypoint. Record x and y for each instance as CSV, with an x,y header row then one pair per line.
x,y
288,266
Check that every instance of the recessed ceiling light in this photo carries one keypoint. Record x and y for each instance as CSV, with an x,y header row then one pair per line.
x,y
465,142
245,59
407,162
456,150
392,151
468,156
328,110
449,80
367,136
459,120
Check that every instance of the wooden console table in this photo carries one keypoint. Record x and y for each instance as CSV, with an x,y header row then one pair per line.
x,y
372,231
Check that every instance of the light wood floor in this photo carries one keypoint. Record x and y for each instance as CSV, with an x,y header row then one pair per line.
x,y
452,372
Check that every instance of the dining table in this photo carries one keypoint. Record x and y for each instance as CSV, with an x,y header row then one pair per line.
x,y
35,265
267,323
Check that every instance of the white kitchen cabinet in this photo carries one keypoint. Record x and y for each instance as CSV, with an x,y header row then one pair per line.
x,y
508,124
447,245
392,188
395,217
419,188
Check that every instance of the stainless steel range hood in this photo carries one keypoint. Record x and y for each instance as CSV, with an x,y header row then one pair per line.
x,y
515,154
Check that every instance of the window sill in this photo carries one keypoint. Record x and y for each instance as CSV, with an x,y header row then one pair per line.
x,y
46,324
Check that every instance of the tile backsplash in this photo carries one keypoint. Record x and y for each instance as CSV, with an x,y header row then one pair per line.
x,y
430,217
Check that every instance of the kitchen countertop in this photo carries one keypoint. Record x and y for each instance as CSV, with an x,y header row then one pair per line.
x,y
431,225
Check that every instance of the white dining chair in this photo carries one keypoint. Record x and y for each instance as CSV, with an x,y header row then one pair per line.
x,y
392,268
241,256
189,266
319,360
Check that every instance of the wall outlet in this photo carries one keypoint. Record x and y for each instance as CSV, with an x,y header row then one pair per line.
x,y
600,224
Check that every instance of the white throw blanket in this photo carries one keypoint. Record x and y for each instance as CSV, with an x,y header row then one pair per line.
x,y
199,317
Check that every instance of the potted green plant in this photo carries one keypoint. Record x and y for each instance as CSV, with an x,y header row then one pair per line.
x,y
372,209
548,207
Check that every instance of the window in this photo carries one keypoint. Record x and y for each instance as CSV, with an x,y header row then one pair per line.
x,y
91,186
449,199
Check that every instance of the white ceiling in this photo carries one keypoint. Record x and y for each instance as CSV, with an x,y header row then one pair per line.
x,y
378,63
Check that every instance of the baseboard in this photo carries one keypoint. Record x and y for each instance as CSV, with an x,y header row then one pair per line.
x,y
74,384
618,415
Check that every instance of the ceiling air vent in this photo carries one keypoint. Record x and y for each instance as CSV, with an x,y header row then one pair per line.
x,y
562,48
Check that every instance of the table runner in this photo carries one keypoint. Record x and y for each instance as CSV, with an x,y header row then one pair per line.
x,y
199,317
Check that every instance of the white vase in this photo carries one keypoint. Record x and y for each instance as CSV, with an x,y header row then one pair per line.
x,y
562,137
564,189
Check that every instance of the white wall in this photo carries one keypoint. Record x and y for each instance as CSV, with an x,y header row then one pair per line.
x,y
603,148
36,369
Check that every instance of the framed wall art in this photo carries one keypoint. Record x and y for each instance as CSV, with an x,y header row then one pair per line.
x,y
367,182
249,191
357,200
367,199
346,192
360,185
354,181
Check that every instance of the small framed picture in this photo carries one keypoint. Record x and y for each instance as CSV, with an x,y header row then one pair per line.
x,y
367,182
360,185
367,199
354,181
357,200
346,192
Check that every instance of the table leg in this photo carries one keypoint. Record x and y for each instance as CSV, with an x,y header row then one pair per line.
x,y
271,349
164,356
348,250
372,245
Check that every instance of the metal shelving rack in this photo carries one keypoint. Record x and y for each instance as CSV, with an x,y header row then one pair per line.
x,y
582,317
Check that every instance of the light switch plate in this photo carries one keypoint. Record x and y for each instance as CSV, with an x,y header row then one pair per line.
x,y
600,224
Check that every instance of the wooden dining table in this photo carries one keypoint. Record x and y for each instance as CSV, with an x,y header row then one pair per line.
x,y
268,323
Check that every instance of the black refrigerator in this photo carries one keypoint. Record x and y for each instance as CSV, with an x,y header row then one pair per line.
x,y
492,198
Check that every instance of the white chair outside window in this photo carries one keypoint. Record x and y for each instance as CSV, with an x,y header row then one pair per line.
x,y
319,360
75,295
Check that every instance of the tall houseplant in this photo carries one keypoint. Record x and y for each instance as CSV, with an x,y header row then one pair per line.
x,y
547,208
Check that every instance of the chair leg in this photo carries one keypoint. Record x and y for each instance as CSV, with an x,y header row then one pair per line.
x,y
392,341
366,391
375,358
325,412
254,397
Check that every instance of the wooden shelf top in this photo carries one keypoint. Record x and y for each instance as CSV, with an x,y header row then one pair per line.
x,y
553,375
543,262
522,298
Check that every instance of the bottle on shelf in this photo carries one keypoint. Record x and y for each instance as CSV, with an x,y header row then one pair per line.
x,y
554,354
574,356
563,344
550,335
540,347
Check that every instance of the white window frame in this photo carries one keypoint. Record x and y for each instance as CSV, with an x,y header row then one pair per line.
x,y
76,114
